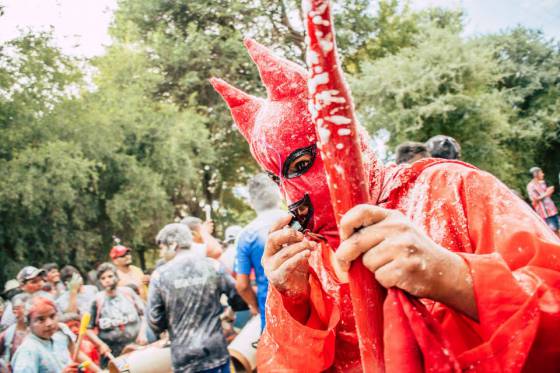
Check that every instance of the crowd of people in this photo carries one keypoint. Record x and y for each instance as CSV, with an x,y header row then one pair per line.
x,y
179,304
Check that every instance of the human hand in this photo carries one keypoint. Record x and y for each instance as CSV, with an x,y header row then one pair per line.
x,y
71,368
141,339
75,283
402,256
104,349
208,226
254,311
285,260
550,191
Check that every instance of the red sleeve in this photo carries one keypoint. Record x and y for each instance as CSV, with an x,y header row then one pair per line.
x,y
515,269
288,345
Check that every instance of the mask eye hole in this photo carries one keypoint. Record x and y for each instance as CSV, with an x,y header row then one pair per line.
x,y
299,162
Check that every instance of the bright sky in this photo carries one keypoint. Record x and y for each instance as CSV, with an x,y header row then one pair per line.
x,y
80,26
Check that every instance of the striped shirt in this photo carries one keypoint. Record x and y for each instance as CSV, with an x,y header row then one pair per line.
x,y
545,207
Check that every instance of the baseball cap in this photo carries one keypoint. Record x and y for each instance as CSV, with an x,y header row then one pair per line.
x,y
11,285
232,233
534,169
118,251
28,273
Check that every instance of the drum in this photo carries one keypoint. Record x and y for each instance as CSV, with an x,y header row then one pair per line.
x,y
150,359
243,349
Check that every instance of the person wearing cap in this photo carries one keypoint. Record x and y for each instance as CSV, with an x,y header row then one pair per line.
x,y
184,299
11,288
204,244
31,281
445,147
228,256
540,194
264,198
127,272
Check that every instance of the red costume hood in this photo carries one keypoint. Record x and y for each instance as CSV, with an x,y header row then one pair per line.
x,y
279,128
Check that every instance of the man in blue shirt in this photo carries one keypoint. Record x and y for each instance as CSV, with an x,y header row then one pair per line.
x,y
264,197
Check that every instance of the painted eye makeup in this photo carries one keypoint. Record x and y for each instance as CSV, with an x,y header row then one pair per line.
x,y
299,161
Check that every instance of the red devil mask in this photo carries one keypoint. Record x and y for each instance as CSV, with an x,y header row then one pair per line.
x,y
283,139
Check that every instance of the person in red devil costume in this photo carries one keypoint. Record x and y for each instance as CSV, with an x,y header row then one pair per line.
x,y
485,266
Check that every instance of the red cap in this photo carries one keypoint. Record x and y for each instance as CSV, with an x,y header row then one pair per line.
x,y
118,251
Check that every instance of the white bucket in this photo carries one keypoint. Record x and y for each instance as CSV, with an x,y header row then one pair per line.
x,y
145,360
241,348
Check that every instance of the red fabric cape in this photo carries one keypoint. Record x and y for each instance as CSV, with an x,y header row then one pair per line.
x,y
515,265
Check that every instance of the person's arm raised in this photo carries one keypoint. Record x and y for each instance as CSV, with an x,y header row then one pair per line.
x,y
213,246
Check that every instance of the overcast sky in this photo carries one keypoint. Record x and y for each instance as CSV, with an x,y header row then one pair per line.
x,y
80,26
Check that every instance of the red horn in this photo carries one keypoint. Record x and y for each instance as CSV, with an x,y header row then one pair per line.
x,y
243,106
282,78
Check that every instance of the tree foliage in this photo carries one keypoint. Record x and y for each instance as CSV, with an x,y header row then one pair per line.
x,y
530,69
124,143
443,85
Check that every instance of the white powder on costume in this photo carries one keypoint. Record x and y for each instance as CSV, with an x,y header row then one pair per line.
x,y
317,80
318,20
312,58
324,135
312,110
338,119
330,96
326,45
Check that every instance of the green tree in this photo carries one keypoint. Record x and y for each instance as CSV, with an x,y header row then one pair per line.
x,y
149,151
530,68
443,85
83,163
45,198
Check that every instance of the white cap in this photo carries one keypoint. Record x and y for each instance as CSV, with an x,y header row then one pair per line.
x,y
232,232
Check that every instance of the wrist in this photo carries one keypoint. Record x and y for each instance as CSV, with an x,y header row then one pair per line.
x,y
457,286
